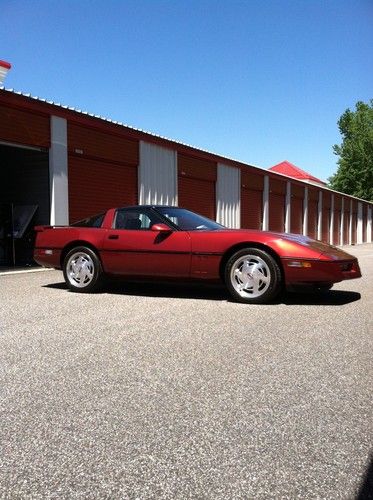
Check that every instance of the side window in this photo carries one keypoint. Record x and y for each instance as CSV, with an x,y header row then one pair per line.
x,y
132,219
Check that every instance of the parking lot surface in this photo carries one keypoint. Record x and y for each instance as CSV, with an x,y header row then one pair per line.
x,y
155,391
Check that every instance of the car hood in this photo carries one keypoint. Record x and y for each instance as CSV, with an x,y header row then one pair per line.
x,y
289,244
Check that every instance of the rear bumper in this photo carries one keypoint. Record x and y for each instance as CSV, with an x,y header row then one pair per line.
x,y
298,271
48,257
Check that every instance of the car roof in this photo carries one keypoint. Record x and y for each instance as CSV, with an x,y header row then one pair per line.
x,y
151,206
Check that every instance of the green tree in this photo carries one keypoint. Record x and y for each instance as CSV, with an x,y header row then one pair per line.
x,y
355,164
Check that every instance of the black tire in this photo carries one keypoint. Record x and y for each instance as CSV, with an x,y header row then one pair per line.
x,y
259,283
324,288
82,270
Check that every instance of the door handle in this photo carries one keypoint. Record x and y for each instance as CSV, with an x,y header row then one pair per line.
x,y
113,236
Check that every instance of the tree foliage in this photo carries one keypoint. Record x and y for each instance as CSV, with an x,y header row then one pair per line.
x,y
355,164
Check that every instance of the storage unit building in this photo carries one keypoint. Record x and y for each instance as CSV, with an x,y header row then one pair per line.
x,y
60,165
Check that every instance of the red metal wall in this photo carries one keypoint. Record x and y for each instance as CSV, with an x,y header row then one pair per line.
x,y
24,127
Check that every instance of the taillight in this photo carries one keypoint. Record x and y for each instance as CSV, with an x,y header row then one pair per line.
x,y
345,266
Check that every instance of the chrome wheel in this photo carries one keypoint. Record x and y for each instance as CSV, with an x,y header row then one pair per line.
x,y
253,276
250,276
80,269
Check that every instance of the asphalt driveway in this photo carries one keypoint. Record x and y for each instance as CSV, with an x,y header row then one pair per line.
x,y
176,392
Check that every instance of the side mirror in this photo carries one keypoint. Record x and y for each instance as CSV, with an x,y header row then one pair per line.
x,y
161,228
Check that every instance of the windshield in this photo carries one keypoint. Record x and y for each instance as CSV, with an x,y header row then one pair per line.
x,y
187,220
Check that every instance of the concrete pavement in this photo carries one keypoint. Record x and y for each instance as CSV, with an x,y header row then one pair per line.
x,y
167,392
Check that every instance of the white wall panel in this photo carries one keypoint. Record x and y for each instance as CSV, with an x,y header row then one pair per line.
x,y
369,225
228,200
319,217
58,175
157,175
305,211
359,222
331,226
288,207
265,224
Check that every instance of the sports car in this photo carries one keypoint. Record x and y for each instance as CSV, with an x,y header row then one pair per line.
x,y
167,242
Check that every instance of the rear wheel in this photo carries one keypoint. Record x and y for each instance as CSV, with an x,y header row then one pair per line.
x,y
82,270
253,276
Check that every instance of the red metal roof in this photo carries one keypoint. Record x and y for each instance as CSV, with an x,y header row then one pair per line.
x,y
5,64
287,168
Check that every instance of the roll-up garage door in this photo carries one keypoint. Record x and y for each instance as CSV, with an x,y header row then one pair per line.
x,y
95,186
102,170
251,200
313,213
296,208
326,204
98,145
296,219
277,190
23,127
196,185
337,220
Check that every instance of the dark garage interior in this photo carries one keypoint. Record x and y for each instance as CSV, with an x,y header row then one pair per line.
x,y
24,195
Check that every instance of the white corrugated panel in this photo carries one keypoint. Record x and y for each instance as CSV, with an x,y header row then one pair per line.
x,y
359,223
265,224
228,200
369,225
157,175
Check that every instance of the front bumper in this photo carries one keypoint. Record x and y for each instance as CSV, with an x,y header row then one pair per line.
x,y
310,271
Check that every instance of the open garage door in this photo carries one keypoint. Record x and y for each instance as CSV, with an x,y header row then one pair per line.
x,y
24,195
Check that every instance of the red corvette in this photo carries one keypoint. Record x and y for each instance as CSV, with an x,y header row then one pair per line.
x,y
163,242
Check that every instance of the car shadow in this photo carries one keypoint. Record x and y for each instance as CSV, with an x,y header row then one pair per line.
x,y
167,290
217,292
366,486
330,298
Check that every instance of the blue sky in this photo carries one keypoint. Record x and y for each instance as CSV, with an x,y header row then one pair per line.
x,y
258,81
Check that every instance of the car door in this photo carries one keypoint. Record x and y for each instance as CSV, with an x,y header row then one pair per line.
x,y
132,248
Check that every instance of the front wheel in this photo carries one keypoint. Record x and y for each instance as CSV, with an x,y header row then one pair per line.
x,y
253,276
82,270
